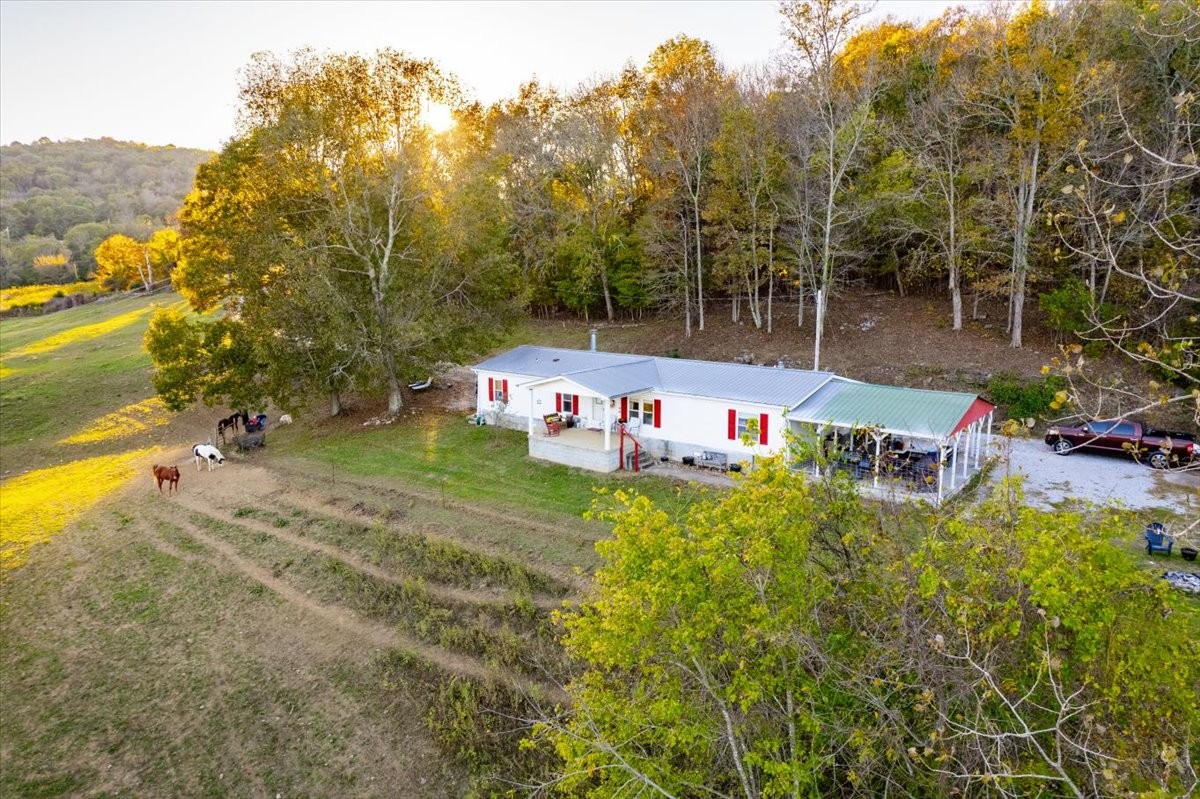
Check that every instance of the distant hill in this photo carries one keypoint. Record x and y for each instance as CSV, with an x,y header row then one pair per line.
x,y
48,187
60,199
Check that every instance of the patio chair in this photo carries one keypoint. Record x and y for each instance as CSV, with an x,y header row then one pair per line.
x,y
1157,539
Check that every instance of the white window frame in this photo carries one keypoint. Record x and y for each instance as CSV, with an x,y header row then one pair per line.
x,y
743,424
568,403
642,411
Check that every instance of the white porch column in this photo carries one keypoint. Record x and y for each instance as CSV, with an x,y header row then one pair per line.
x,y
531,411
989,433
607,426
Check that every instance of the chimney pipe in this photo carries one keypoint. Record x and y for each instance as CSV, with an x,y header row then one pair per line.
x,y
592,334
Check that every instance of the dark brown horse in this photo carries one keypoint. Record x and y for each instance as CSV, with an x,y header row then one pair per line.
x,y
229,423
167,474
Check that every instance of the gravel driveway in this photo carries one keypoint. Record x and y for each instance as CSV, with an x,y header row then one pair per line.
x,y
1100,479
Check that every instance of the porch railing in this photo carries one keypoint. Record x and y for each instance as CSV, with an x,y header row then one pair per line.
x,y
637,448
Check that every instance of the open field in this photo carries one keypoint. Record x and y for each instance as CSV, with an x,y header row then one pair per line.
x,y
37,295
328,616
322,618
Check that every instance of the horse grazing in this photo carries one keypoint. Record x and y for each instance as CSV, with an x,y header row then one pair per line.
x,y
207,452
230,422
167,474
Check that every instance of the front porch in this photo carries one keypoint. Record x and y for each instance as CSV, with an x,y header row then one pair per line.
x,y
585,449
575,447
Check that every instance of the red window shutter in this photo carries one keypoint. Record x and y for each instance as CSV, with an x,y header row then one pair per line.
x,y
732,424
558,402
491,389
575,404
625,408
762,428
504,389
658,413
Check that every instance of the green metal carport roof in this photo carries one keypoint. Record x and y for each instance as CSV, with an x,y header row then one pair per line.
x,y
920,413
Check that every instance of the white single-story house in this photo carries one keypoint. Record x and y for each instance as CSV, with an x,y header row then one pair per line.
x,y
622,411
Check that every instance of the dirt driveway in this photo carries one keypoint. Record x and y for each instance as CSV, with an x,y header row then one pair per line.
x,y
1050,479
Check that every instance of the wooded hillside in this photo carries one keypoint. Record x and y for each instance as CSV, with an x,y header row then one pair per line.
x,y
59,200
1043,155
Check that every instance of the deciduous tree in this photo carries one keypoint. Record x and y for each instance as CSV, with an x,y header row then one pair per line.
x,y
828,126
324,225
686,86
119,262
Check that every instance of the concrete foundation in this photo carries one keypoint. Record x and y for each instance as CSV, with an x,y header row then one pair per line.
x,y
558,450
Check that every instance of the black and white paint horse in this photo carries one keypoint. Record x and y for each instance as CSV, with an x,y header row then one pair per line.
x,y
209,453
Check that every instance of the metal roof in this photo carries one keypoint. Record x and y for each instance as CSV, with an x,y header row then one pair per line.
x,y
892,409
814,397
618,381
552,361
764,385
615,375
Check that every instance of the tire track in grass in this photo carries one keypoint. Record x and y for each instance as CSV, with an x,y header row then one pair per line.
x,y
577,583
439,591
378,635
569,525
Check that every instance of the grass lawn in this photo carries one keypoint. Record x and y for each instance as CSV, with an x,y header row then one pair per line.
x,y
136,665
63,372
42,293
484,465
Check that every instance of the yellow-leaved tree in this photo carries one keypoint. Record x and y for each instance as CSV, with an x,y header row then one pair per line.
x,y
120,262
162,252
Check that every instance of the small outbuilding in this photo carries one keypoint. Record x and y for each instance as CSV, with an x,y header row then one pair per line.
x,y
917,440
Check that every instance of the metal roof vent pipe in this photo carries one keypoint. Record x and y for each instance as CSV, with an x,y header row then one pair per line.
x,y
592,338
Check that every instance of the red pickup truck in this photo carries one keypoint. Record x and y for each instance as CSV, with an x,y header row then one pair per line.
x,y
1160,448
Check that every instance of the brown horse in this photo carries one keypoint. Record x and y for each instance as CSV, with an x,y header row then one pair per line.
x,y
167,474
228,423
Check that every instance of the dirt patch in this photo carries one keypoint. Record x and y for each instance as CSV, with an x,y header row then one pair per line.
x,y
870,335
236,482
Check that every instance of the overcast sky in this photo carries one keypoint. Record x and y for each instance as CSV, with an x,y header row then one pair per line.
x,y
167,72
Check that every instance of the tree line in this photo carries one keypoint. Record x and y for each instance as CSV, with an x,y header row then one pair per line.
x,y
60,200
1040,152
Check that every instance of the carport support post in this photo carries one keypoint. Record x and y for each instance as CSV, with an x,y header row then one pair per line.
x,y
966,453
953,461
941,467
978,439
878,443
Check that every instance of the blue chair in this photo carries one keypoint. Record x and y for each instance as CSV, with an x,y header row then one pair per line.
x,y
1157,539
